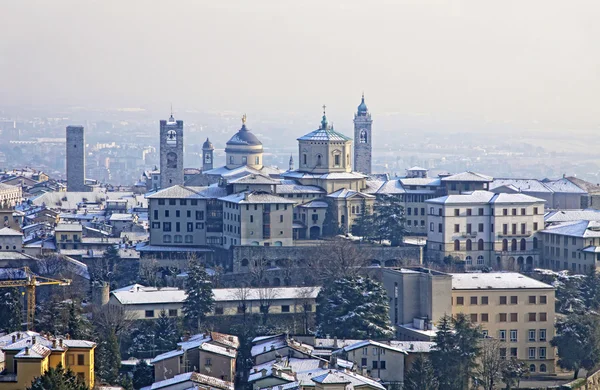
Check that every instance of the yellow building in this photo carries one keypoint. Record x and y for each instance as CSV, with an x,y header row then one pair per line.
x,y
28,355
515,309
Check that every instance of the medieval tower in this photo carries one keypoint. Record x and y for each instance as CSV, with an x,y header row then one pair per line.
x,y
76,159
171,152
363,146
207,155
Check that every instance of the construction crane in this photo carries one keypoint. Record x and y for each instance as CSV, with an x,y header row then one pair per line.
x,y
30,282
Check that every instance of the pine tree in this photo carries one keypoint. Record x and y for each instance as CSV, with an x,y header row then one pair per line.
x,y
200,299
387,222
167,332
578,342
143,375
590,290
457,348
78,326
108,358
58,379
355,308
421,376
143,340
11,310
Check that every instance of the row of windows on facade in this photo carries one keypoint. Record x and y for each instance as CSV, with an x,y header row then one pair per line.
x,y
481,211
503,300
336,159
416,223
514,245
555,252
555,239
199,214
574,266
244,160
178,238
166,226
533,335
266,206
182,202
504,317
531,355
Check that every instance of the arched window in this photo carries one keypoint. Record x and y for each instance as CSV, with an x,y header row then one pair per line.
x,y
304,159
542,367
456,245
532,368
319,158
535,246
504,245
480,244
523,245
480,260
353,210
468,260
343,219
363,139
244,262
513,244
171,137
469,245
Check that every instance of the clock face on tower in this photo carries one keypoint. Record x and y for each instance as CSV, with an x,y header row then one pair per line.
x,y
363,137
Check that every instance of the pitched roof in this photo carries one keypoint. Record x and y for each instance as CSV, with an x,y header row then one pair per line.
x,y
255,197
572,215
175,192
583,229
485,197
468,176
365,343
9,232
346,193
324,135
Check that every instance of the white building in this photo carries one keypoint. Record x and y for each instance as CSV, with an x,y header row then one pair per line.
x,y
482,228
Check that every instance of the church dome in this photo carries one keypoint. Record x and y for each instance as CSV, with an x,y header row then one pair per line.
x,y
207,144
244,136
362,107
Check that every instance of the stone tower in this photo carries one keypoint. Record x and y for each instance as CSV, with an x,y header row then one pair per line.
x,y
76,159
171,152
207,155
363,146
291,164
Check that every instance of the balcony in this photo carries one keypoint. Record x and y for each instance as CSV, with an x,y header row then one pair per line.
x,y
527,233
526,252
468,235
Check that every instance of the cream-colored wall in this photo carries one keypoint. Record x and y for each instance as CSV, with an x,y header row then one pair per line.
x,y
167,368
522,308
327,150
199,225
221,367
394,362
576,261
250,152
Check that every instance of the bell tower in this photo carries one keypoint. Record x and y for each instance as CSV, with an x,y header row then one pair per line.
x,y
207,155
363,139
171,152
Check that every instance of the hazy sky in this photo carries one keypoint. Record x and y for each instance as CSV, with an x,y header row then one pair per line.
x,y
499,61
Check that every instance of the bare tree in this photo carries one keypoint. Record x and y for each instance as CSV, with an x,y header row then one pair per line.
x,y
111,318
242,294
304,300
491,364
258,270
148,271
52,264
266,295
339,258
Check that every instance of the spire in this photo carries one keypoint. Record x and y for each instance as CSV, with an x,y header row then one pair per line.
x,y
362,107
244,122
291,166
324,120
171,118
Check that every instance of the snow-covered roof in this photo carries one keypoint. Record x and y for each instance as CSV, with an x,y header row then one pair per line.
x,y
495,280
583,229
9,232
293,187
192,377
351,379
175,192
219,350
392,187
281,341
420,181
523,185
572,215
121,217
414,346
346,193
564,186
373,186
327,134
255,197
468,176
254,179
365,343
417,168
485,197
68,227
137,294
329,176
314,204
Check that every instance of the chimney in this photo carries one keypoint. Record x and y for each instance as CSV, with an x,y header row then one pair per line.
x,y
335,342
68,336
60,342
179,348
230,338
33,340
412,347
14,338
26,350
18,336
53,343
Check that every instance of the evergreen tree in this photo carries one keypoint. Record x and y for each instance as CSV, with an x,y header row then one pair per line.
x,y
457,348
108,358
58,379
143,375
11,310
200,299
353,308
78,325
421,376
167,332
512,372
590,290
578,342
387,222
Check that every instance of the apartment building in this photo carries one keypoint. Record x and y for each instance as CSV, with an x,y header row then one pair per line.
x,y
28,355
484,229
511,307
572,246
257,218
515,309
185,216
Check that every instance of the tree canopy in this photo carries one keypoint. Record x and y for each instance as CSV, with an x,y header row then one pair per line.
x,y
58,379
354,308
578,342
200,299
386,222
421,376
11,309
